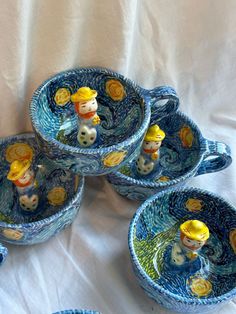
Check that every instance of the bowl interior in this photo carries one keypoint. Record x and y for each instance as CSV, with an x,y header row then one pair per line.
x,y
120,106
55,185
179,152
156,228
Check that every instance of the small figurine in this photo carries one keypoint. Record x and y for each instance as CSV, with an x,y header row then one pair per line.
x,y
149,156
23,177
193,235
86,108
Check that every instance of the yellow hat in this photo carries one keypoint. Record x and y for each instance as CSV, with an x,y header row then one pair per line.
x,y
195,230
17,169
154,134
83,94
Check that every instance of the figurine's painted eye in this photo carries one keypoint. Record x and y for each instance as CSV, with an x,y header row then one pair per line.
x,y
189,241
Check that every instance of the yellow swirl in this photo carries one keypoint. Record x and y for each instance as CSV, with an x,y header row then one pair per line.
x,y
62,96
232,239
193,204
13,234
186,136
164,179
114,158
19,151
57,196
115,90
200,286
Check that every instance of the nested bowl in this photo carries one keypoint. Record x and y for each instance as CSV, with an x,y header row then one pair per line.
x,y
155,227
124,108
59,193
184,153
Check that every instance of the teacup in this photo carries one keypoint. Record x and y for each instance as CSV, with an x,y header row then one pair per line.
x,y
59,193
208,280
125,110
184,153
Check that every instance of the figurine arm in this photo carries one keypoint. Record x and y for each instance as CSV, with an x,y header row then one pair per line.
x,y
177,255
96,120
154,156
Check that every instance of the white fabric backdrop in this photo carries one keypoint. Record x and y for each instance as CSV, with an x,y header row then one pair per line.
x,y
189,44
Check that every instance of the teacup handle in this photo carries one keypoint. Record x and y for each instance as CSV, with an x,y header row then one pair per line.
x,y
220,157
3,253
155,97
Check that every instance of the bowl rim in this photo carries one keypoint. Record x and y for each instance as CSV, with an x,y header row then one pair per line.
x,y
78,193
155,286
165,184
72,149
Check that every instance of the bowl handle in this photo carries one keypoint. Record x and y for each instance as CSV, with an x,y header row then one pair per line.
x,y
156,98
217,157
3,253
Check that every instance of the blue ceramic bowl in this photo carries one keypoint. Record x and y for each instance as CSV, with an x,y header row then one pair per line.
x,y
77,312
125,111
184,154
16,226
154,228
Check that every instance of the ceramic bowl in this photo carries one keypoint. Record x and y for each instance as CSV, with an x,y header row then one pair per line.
x,y
53,213
184,153
124,108
154,228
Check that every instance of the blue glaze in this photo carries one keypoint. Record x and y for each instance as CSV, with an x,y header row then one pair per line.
x,y
18,228
3,253
123,122
177,162
77,312
154,228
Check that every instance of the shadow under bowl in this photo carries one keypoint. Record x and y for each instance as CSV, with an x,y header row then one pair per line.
x,y
184,154
54,212
153,231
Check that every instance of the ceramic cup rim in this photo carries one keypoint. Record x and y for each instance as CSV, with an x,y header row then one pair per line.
x,y
75,198
165,184
91,151
155,286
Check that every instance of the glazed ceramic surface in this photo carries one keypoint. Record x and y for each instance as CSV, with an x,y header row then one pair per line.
x,y
60,195
154,229
184,154
77,312
124,109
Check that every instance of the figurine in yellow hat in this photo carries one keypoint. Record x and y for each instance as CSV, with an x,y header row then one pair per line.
x,y
86,108
193,235
23,178
149,156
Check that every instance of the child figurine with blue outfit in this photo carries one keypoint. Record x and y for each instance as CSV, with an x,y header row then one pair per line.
x,y
147,162
184,254
23,178
86,108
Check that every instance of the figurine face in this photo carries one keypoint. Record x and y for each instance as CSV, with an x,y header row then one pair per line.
x,y
88,106
151,147
27,176
192,245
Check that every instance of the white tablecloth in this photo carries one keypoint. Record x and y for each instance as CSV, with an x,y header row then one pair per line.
x,y
190,45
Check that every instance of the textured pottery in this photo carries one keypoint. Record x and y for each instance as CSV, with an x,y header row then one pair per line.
x,y
125,110
184,154
77,312
155,227
59,201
